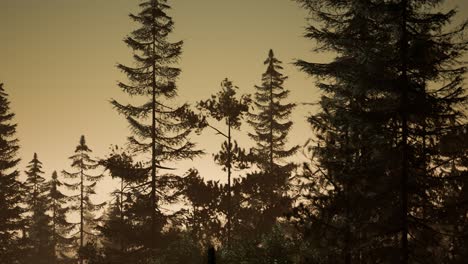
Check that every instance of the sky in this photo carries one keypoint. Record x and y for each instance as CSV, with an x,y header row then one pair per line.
x,y
58,57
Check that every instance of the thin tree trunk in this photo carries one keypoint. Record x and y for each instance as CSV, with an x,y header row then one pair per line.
x,y
229,185
54,228
405,154
121,216
347,204
153,145
81,210
271,124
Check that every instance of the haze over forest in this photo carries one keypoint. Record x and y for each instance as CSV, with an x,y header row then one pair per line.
x,y
266,131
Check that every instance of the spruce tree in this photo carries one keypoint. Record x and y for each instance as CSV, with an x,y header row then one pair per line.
x,y
34,181
391,93
267,188
228,107
270,120
82,183
159,129
39,231
61,228
9,185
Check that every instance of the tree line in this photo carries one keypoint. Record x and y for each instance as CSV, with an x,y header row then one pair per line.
x,y
385,182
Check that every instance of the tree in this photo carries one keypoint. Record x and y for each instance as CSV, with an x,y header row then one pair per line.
x,y
34,181
84,184
9,185
118,230
39,233
225,106
57,208
205,200
270,120
391,93
267,188
153,77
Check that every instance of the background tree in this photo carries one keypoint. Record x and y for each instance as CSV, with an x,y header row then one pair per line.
x,y
153,78
266,189
9,185
204,199
83,184
61,228
118,230
39,233
228,107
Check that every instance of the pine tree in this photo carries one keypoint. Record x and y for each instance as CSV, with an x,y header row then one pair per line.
x,y
205,200
9,185
392,92
267,187
118,231
160,129
270,120
40,249
58,209
225,106
34,181
84,184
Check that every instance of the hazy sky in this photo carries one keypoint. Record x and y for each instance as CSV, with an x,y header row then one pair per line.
x,y
58,57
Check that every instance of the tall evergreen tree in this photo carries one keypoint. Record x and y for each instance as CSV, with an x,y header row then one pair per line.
x,y
83,185
226,106
160,129
61,228
34,181
267,188
38,222
271,118
9,185
391,93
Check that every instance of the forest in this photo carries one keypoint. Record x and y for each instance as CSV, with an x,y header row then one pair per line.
x,y
383,178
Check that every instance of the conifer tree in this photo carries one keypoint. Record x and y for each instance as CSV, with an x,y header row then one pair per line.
x,y
392,92
118,231
159,129
39,233
61,228
83,185
227,107
9,185
267,187
205,200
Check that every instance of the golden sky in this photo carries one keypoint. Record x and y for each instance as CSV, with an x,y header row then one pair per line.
x,y
58,57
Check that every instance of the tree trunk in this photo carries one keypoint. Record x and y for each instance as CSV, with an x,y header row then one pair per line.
x,y
404,143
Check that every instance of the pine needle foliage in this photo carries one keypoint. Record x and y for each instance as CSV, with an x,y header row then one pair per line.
x,y
82,184
10,198
159,128
392,92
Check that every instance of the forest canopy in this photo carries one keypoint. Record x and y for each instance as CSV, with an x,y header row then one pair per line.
x,y
380,177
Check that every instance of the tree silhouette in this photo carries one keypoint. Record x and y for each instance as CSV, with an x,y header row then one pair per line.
x,y
153,78
225,106
40,249
9,185
266,189
391,93
57,207
84,184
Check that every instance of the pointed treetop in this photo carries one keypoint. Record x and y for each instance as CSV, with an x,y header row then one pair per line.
x,y
54,175
82,146
270,54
